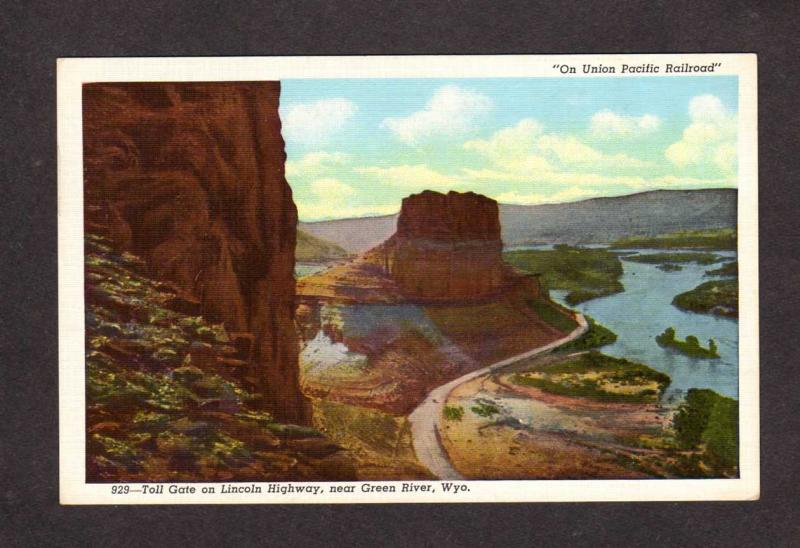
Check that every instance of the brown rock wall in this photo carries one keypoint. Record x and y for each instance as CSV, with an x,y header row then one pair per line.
x,y
190,176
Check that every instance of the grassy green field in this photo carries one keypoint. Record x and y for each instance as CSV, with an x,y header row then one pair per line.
x,y
310,249
599,377
585,273
722,238
720,297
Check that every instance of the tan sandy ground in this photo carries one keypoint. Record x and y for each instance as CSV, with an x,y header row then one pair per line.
x,y
554,437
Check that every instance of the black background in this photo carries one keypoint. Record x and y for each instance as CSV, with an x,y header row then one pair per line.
x,y
34,34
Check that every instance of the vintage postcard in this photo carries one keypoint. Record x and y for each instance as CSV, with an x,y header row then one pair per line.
x,y
408,279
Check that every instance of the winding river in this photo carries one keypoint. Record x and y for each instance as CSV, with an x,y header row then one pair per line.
x,y
645,309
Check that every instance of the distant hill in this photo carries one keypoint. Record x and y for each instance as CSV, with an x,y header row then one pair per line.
x,y
355,235
597,220
311,249
603,220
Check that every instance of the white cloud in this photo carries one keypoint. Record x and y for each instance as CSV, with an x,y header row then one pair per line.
x,y
525,148
332,199
608,124
566,195
410,176
315,163
509,144
331,189
488,175
710,138
315,122
571,152
316,211
451,111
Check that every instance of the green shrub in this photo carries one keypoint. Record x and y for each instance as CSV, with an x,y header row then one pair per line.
x,y
484,408
721,436
453,412
706,417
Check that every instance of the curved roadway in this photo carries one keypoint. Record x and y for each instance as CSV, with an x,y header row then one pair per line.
x,y
425,418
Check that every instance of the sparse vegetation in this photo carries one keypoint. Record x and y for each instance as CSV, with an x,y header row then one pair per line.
x,y
381,443
723,238
484,408
690,346
669,267
453,412
720,297
586,273
596,336
597,376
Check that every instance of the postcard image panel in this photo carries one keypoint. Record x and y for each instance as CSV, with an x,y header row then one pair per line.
x,y
408,279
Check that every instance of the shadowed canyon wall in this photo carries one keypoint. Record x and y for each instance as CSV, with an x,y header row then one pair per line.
x,y
447,247
190,176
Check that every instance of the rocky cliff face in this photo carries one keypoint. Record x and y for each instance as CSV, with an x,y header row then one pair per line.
x,y
190,176
447,247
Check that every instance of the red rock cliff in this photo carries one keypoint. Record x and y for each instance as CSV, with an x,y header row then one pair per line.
x,y
447,247
190,176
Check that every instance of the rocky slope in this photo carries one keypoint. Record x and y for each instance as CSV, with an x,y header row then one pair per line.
x,y
190,177
165,395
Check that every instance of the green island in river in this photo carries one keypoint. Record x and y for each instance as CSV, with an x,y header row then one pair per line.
x,y
720,297
674,258
585,272
690,346
728,269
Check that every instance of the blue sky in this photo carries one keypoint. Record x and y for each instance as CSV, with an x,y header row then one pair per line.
x,y
356,147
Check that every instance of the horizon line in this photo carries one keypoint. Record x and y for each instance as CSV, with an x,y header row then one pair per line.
x,y
376,216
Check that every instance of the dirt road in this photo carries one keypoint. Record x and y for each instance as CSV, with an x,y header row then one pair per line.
x,y
425,418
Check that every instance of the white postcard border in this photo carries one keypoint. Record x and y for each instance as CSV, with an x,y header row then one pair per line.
x,y
72,73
